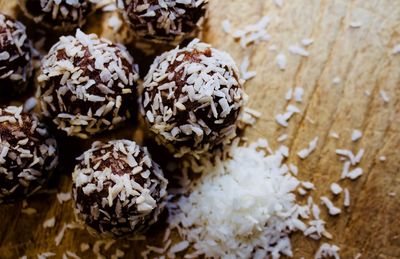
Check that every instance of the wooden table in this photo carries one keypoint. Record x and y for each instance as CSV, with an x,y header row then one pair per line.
x,y
353,42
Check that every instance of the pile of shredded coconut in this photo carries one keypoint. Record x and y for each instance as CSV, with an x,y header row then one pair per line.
x,y
243,207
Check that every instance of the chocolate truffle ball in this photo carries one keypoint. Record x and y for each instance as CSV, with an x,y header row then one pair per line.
x,y
15,56
28,154
164,21
87,84
192,98
118,189
57,14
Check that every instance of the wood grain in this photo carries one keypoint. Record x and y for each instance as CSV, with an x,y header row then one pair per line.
x,y
361,57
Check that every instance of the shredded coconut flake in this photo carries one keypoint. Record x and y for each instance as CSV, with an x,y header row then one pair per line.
x,y
49,223
297,50
63,197
333,211
233,212
355,24
356,135
336,80
384,96
327,251
336,189
307,41
304,153
281,61
396,49
346,202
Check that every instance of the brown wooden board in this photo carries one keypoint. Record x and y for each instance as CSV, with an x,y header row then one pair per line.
x,y
361,57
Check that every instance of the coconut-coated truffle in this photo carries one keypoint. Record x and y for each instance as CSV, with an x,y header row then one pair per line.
x,y
118,189
192,98
15,56
57,14
87,84
165,20
28,154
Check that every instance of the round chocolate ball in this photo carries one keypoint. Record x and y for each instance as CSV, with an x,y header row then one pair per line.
x,y
192,98
87,84
118,189
15,57
59,15
28,154
169,21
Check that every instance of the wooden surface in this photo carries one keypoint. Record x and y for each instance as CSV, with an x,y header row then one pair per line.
x,y
361,57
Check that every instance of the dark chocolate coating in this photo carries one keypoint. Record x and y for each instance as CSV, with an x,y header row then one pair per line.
x,y
184,24
122,217
192,99
71,102
19,62
67,17
31,158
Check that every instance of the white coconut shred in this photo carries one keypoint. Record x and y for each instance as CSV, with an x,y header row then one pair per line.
x,y
234,212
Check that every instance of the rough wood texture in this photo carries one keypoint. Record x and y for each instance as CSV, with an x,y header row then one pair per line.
x,y
363,59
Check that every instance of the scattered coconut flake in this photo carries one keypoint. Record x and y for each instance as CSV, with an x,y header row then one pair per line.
x,y
354,174
367,93
118,254
346,201
298,94
358,157
246,75
63,197
282,138
327,251
115,23
84,247
29,211
355,24
396,49
308,185
336,80
71,255
334,134
278,3
358,256
281,61
336,189
288,95
60,235
307,41
49,223
282,119
304,153
46,255
356,135
297,50
384,96
345,170
332,210
226,26
392,194
273,47
382,158
253,33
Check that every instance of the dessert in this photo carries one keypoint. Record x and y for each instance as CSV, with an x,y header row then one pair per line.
x,y
15,56
87,84
28,154
118,189
192,98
